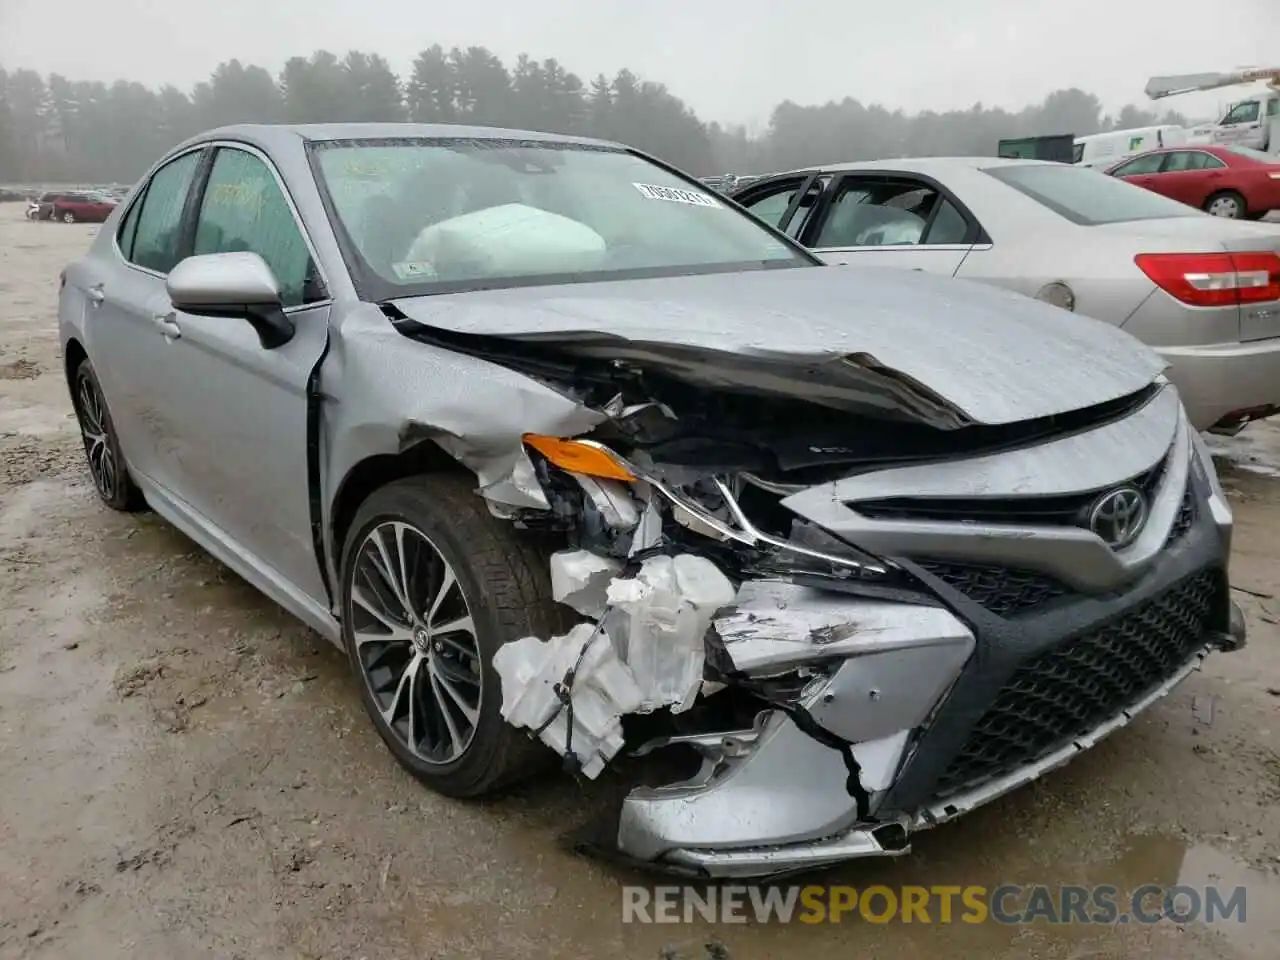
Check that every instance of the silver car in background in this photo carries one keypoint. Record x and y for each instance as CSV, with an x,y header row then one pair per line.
x,y
1204,292
559,446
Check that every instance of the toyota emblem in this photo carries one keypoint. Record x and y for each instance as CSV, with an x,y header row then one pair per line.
x,y
1118,516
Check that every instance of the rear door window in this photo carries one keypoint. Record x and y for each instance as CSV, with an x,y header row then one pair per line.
x,y
157,238
877,212
1188,160
948,227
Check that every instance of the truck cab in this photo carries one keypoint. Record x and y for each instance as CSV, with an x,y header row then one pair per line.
x,y
1251,123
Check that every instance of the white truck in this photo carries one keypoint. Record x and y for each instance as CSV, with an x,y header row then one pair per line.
x,y
1251,122
1106,149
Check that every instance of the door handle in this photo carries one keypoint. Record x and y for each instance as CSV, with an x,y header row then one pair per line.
x,y
96,294
167,325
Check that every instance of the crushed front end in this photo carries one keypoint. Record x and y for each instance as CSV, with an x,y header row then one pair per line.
x,y
860,626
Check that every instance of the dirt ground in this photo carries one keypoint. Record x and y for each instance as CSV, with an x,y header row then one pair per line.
x,y
186,772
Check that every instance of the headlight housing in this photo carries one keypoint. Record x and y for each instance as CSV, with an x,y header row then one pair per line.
x,y
726,522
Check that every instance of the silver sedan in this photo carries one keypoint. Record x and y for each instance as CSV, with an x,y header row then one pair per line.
x,y
547,436
1203,291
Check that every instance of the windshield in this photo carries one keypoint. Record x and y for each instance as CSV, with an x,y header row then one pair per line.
x,y
1087,196
424,216
1268,158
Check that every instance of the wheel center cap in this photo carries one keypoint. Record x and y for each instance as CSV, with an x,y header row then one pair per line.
x,y
422,639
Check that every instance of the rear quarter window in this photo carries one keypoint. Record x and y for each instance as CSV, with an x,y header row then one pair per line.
x,y
1087,197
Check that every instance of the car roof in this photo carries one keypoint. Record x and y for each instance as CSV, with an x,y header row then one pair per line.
x,y
270,136
1181,147
923,164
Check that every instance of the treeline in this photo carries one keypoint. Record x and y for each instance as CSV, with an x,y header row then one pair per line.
x,y
57,129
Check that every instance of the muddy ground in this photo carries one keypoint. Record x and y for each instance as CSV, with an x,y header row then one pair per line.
x,y
186,772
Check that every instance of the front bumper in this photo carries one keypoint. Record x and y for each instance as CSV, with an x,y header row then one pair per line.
x,y
916,714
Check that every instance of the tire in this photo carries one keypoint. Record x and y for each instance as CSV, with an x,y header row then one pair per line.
x,y
504,581
101,445
1228,204
68,217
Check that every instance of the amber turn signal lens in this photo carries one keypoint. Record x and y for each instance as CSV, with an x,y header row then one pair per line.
x,y
578,457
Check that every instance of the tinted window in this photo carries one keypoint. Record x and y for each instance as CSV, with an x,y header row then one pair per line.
x,y
159,231
436,214
948,226
877,213
771,207
1185,160
1086,196
1273,108
244,210
128,230
1140,166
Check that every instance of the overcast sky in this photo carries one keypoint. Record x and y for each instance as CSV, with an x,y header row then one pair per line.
x,y
731,61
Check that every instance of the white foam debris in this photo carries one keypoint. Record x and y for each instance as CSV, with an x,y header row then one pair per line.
x,y
580,579
603,690
646,652
658,621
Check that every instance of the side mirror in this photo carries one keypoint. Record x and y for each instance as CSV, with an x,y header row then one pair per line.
x,y
237,285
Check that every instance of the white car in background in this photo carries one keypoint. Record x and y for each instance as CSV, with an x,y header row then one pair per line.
x,y
1204,291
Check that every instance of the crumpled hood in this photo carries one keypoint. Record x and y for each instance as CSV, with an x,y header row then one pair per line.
x,y
994,355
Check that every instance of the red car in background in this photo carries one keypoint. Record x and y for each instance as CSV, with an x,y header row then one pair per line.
x,y
1226,181
80,207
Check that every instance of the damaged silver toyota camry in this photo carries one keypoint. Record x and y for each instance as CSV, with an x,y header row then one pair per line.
x,y
572,456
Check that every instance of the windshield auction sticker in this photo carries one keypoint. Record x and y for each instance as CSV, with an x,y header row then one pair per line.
x,y
414,270
675,195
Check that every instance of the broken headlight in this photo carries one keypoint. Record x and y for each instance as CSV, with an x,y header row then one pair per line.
x,y
707,507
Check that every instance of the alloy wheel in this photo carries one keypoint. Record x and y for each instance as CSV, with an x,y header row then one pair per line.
x,y
415,642
97,443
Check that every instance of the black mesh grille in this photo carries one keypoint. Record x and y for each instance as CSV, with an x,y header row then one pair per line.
x,y
1065,692
1004,591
